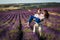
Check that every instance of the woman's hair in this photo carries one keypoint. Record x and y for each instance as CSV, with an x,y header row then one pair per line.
x,y
46,14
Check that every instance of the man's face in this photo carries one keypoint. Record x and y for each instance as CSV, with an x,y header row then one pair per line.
x,y
39,11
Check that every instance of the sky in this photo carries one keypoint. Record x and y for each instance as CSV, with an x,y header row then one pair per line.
x,y
26,1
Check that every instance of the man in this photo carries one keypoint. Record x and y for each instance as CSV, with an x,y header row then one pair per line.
x,y
38,17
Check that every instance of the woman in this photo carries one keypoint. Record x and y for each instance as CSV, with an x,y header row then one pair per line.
x,y
38,17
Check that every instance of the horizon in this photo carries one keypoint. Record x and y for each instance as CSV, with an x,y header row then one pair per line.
x,y
27,1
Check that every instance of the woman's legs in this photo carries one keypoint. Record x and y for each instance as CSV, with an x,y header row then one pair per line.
x,y
34,29
35,26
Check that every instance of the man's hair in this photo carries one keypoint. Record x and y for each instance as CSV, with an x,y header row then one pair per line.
x,y
46,14
39,9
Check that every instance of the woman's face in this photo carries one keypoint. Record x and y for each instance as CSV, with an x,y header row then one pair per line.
x,y
43,12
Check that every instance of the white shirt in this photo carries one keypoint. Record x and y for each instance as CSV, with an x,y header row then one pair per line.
x,y
41,16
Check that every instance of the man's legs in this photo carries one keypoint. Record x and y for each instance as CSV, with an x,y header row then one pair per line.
x,y
40,30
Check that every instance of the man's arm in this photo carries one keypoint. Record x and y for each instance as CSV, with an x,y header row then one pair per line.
x,y
30,20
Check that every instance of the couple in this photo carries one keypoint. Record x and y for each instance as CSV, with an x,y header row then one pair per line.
x,y
38,18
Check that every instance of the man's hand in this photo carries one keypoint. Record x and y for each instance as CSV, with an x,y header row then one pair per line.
x,y
27,24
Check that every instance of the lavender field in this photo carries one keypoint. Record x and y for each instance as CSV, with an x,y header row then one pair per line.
x,y
12,23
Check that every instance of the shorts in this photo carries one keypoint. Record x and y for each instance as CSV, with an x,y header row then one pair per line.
x,y
37,20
